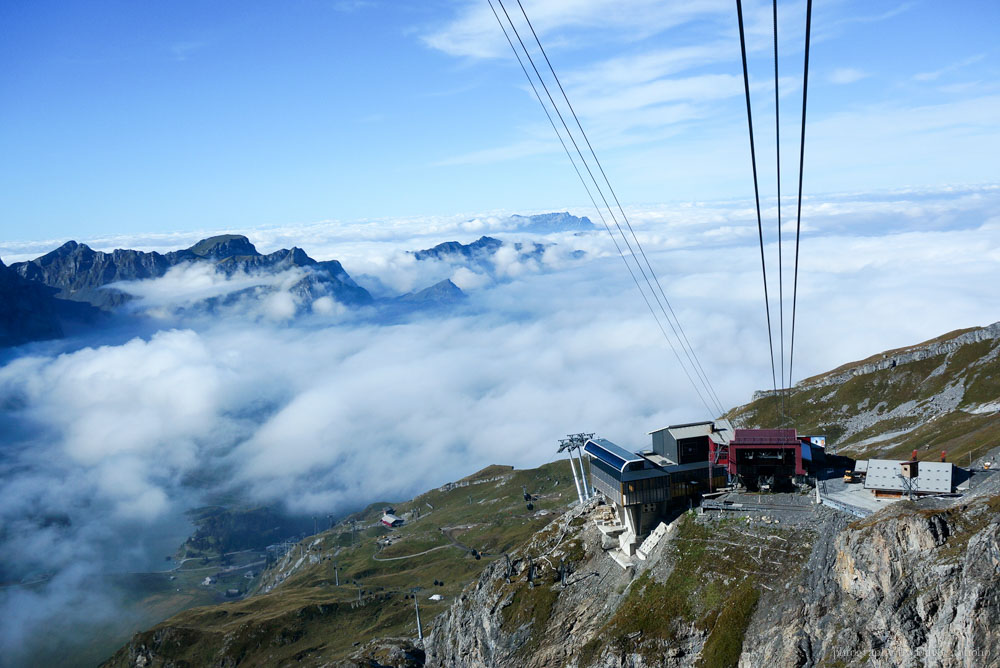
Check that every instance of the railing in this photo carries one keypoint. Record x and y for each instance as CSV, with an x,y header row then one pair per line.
x,y
839,505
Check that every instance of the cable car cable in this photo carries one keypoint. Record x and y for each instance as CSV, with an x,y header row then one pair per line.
x,y
602,196
583,181
781,265
688,349
802,153
756,190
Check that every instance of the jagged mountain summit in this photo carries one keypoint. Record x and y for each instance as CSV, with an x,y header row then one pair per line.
x,y
74,285
82,274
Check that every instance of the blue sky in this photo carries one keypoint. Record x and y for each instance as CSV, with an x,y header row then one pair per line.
x,y
123,117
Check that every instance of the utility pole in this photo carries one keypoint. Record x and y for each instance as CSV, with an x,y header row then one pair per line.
x,y
564,444
580,440
420,632
574,443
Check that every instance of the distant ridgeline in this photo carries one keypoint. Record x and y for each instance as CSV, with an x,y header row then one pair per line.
x,y
82,274
479,253
75,286
553,222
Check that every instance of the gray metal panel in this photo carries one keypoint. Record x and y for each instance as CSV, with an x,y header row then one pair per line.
x,y
603,482
883,474
932,477
681,468
643,474
861,466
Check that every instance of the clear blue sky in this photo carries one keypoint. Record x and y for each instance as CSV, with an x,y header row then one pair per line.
x,y
125,117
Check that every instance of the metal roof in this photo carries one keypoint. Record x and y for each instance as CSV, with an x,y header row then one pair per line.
x,y
611,454
707,423
765,437
932,477
861,466
714,429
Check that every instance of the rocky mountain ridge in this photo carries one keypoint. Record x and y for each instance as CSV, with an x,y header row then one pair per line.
x,y
83,274
943,394
942,345
479,252
73,284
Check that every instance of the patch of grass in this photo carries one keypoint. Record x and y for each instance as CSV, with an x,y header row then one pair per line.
x,y
965,522
574,551
589,651
725,643
984,385
646,619
530,605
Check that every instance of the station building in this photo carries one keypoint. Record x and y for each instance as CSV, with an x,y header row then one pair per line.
x,y
643,486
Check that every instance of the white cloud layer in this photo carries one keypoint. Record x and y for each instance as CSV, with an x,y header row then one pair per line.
x,y
321,416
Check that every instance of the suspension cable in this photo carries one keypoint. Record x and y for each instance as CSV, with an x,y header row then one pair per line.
x,y
600,214
679,330
802,153
756,191
781,265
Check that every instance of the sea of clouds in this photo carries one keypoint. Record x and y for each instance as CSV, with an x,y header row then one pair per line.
x,y
110,436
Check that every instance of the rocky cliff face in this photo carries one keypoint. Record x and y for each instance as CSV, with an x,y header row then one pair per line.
x,y
914,587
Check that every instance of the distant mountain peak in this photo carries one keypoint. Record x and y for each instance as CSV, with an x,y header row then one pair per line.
x,y
223,246
442,293
484,244
561,221
69,247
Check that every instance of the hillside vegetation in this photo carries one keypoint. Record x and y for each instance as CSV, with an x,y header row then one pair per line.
x,y
943,394
300,614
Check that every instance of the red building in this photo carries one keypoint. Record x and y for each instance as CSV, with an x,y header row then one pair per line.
x,y
764,458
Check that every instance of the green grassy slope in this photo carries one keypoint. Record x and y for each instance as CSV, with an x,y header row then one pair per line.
x,y
307,618
902,407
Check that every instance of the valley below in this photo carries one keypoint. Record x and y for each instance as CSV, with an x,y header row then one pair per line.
x,y
500,582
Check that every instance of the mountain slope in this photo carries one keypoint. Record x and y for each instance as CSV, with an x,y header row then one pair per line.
x,y
943,394
27,310
301,615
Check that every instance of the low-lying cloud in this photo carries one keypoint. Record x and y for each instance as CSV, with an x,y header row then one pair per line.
x,y
106,445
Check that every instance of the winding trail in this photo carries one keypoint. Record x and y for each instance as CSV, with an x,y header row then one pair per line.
x,y
410,556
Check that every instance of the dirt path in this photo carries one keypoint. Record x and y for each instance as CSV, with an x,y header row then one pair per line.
x,y
410,556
